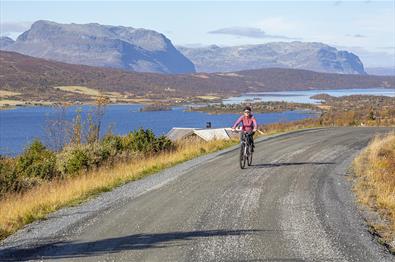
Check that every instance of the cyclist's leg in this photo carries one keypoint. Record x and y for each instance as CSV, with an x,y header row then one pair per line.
x,y
252,141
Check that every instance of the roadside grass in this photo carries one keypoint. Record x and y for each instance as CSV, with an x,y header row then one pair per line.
x,y
276,128
17,210
374,169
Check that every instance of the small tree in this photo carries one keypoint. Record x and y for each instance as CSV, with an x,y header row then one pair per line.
x,y
76,136
95,119
58,128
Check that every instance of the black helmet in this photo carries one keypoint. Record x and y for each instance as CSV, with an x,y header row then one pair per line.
x,y
247,108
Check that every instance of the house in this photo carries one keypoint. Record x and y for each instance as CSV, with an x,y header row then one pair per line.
x,y
207,134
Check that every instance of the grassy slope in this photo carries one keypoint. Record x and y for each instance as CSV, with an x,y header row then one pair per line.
x,y
375,184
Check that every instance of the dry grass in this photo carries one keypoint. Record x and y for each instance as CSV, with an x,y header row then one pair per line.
x,y
4,93
79,90
280,127
375,183
17,210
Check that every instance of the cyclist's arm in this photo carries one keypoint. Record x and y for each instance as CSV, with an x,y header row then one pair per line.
x,y
255,124
237,122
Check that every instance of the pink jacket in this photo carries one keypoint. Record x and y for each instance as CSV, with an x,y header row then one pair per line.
x,y
249,123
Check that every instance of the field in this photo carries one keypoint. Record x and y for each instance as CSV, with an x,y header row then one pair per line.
x,y
79,90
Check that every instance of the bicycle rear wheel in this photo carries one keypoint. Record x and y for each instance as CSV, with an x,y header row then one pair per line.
x,y
242,156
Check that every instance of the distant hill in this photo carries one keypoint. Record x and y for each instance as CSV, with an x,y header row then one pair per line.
x,y
35,78
296,55
93,44
5,41
383,71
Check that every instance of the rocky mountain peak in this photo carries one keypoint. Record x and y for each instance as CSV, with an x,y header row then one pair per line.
x,y
298,55
102,45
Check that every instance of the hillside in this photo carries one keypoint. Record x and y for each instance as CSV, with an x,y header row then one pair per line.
x,y
93,44
36,78
384,71
296,55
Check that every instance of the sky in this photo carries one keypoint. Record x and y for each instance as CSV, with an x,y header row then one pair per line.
x,y
366,28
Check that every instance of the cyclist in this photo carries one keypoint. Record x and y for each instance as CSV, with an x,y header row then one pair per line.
x,y
249,125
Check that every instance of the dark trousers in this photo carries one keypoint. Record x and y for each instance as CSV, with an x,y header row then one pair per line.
x,y
249,137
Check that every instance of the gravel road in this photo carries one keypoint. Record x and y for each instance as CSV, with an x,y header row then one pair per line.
x,y
293,204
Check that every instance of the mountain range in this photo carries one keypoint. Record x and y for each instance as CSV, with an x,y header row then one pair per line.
x,y
143,50
297,55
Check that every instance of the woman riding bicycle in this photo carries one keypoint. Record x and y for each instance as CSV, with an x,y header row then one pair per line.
x,y
249,124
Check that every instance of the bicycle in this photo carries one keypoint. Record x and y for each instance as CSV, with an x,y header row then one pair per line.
x,y
246,151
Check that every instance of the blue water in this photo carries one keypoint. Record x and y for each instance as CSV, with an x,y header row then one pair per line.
x,y
304,96
18,127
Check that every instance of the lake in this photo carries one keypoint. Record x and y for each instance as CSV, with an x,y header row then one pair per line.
x,y
19,126
304,96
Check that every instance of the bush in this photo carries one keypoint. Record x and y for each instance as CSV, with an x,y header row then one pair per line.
x,y
83,157
8,175
162,143
36,162
73,159
111,145
145,141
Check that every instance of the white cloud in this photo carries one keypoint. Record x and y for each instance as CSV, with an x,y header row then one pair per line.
x,y
252,32
356,35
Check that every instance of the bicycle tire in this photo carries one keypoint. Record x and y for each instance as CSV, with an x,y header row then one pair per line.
x,y
242,157
249,158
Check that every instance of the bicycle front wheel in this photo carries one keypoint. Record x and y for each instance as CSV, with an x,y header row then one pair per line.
x,y
249,158
242,156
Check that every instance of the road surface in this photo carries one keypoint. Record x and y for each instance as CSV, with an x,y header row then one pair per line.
x,y
293,204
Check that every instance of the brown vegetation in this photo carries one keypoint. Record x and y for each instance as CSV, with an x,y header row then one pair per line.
x,y
358,110
374,169
258,107
354,110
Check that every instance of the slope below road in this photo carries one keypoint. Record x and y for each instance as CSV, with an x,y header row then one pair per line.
x,y
293,204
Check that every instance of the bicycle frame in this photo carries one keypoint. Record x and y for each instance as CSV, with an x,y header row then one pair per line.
x,y
245,150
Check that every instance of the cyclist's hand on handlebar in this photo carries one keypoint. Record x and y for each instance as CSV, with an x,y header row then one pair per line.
x,y
233,129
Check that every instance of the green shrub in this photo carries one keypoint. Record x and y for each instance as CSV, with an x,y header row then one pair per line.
x,y
111,145
162,143
145,141
87,156
37,162
73,159
7,175
99,153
